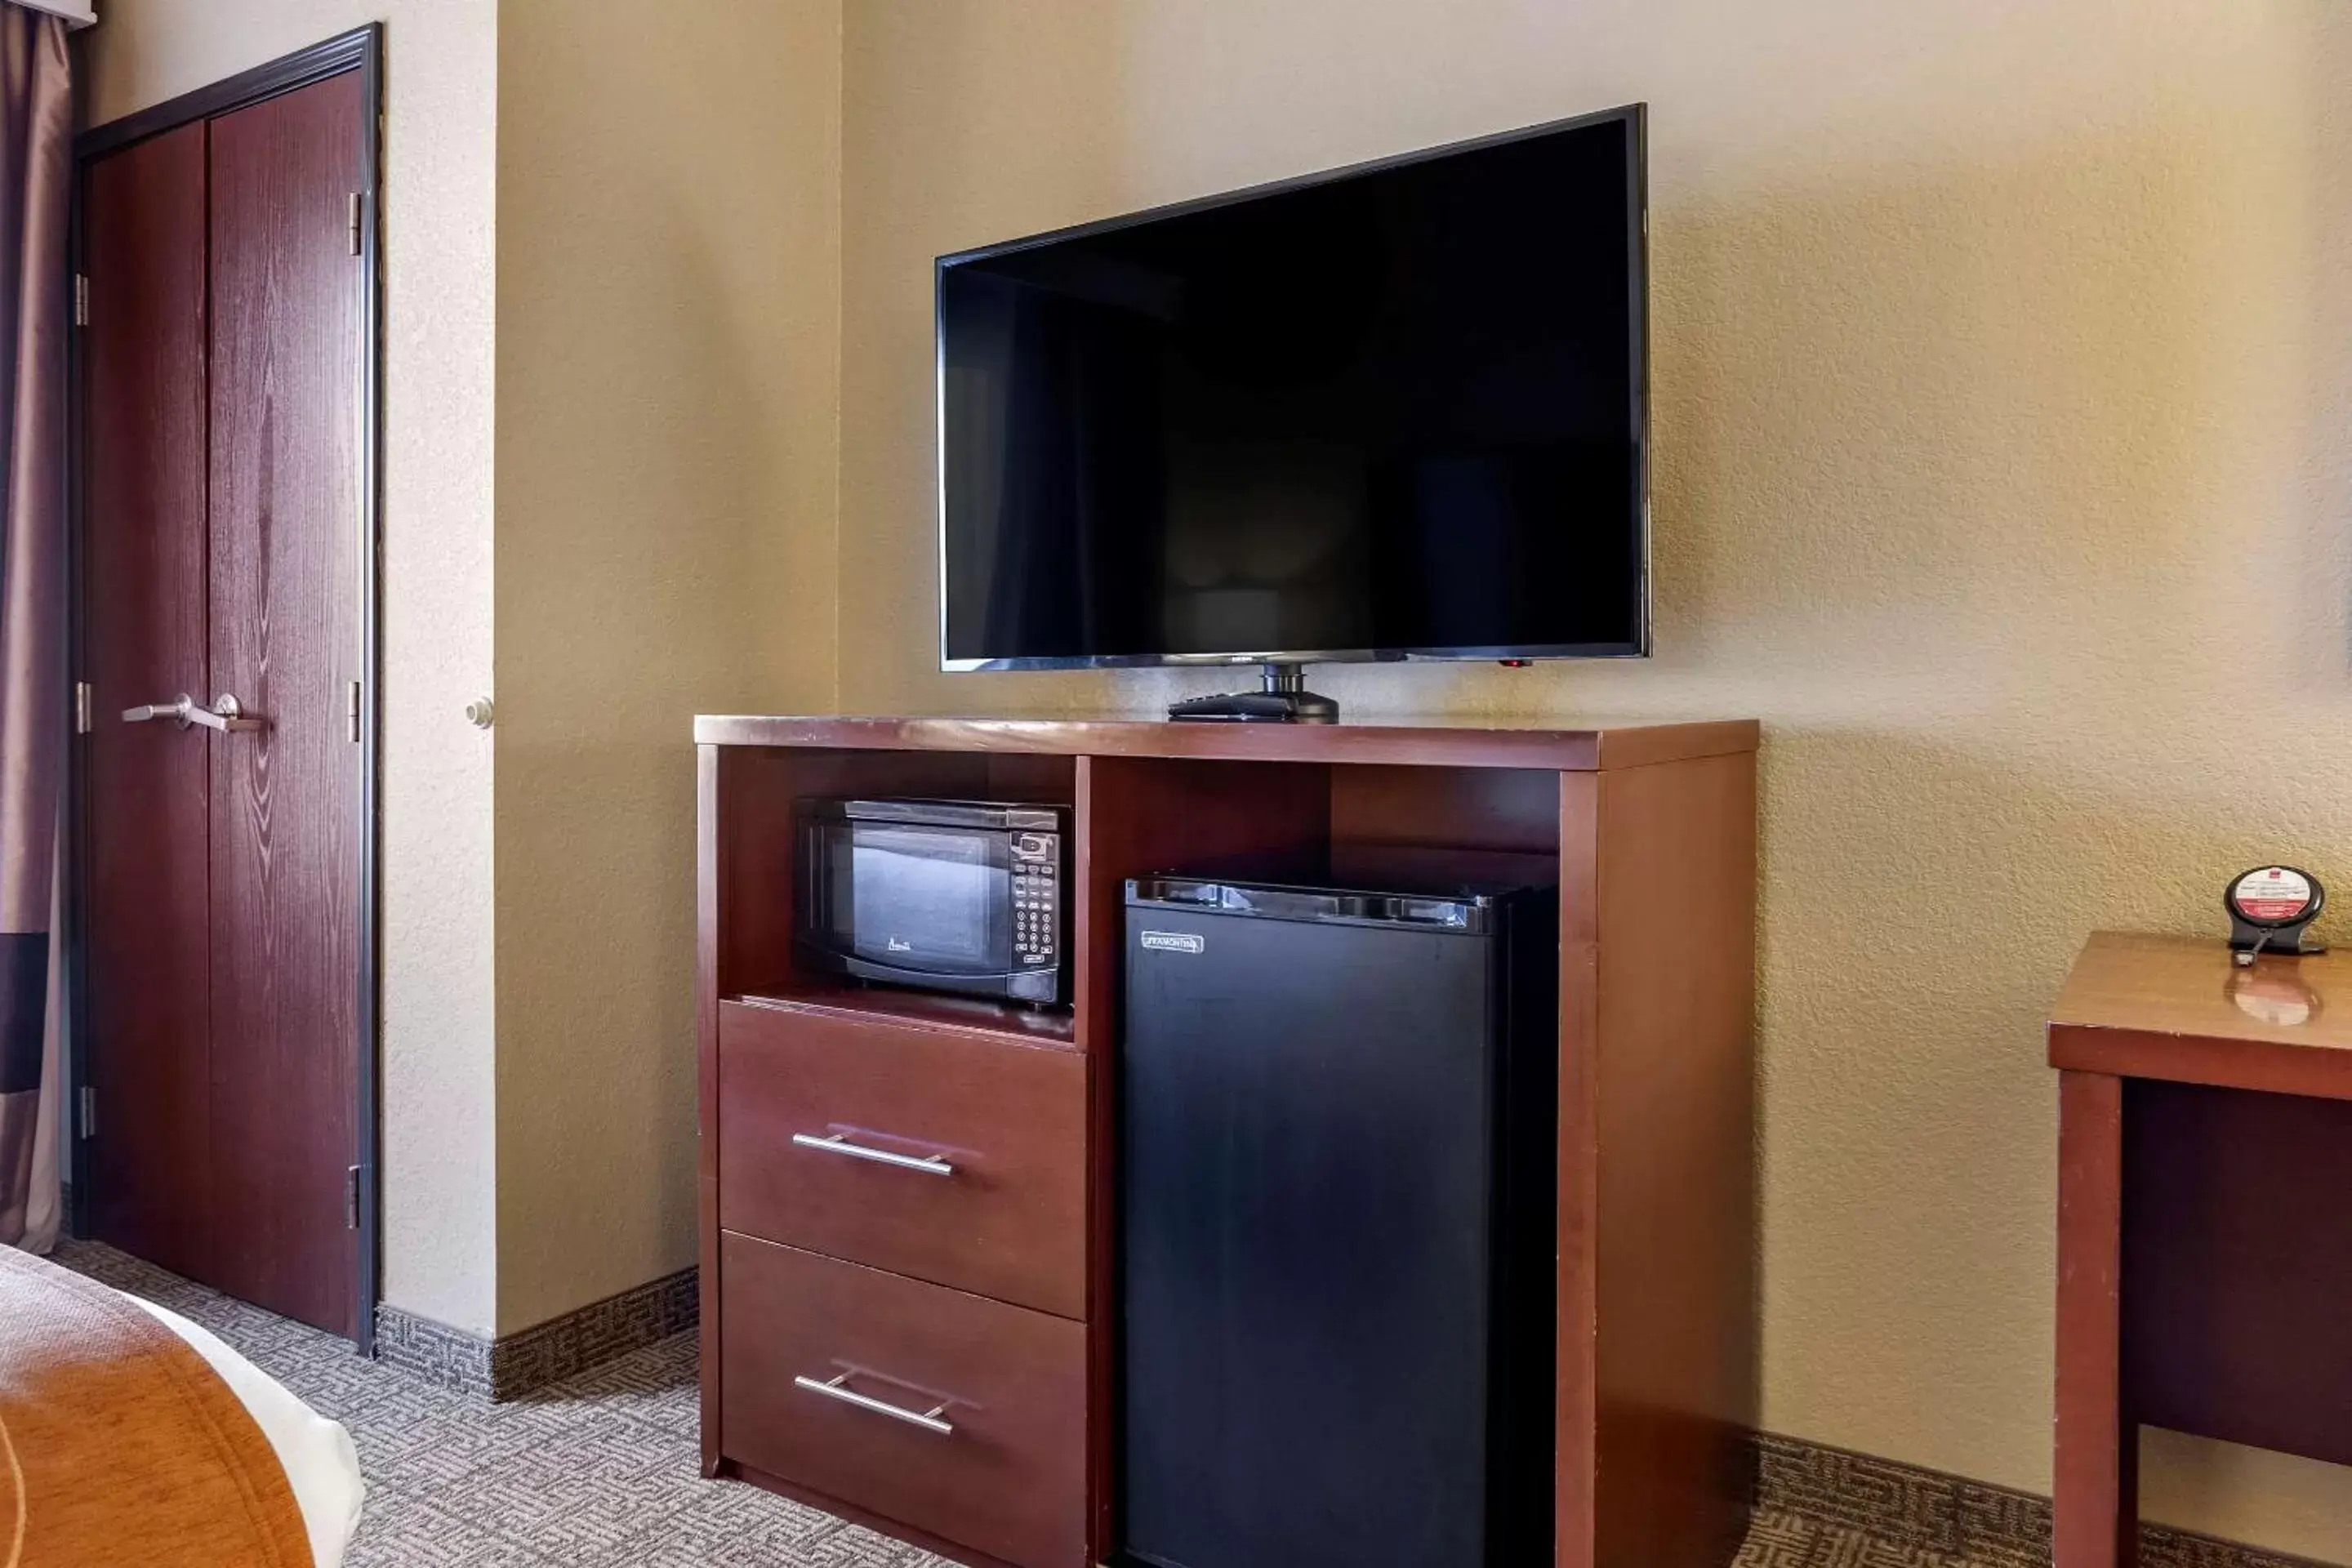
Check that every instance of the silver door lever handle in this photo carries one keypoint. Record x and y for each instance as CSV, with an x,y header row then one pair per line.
x,y
181,708
224,715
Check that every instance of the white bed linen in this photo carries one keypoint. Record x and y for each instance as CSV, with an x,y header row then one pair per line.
x,y
320,1464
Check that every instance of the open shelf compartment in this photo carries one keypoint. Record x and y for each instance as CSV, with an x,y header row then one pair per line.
x,y
756,959
1137,815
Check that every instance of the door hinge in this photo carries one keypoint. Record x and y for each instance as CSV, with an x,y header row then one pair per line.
x,y
89,1100
358,208
352,712
352,1198
82,721
82,299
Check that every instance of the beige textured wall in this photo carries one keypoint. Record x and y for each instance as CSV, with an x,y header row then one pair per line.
x,y
439,224
2004,436
668,353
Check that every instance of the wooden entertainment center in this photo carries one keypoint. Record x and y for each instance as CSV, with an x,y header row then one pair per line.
x,y
982,1306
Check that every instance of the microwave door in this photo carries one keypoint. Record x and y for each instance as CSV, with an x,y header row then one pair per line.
x,y
927,901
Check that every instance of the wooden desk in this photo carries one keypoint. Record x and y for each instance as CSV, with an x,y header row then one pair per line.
x,y
2204,1216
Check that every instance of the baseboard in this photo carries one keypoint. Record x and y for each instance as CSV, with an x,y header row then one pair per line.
x,y
515,1364
1951,1516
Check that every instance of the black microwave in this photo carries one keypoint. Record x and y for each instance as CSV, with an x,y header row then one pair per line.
x,y
945,895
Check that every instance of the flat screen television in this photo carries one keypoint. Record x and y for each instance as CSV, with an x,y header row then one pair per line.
x,y
1393,411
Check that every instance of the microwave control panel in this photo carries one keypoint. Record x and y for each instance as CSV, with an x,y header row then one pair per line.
x,y
1037,899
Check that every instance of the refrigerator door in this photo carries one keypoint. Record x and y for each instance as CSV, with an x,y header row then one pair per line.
x,y
1307,1185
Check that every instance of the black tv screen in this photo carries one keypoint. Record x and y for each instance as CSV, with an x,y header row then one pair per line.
x,y
1395,411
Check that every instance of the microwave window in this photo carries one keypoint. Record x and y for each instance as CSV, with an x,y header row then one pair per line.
x,y
923,900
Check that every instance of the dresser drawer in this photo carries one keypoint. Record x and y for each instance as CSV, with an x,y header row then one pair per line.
x,y
989,1446
982,1182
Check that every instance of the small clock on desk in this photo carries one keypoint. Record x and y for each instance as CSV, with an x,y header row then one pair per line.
x,y
2271,907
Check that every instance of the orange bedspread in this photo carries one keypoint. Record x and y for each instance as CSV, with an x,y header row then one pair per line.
x,y
119,1446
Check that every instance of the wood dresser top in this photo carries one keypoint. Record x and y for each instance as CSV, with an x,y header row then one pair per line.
x,y
1430,743
2176,1007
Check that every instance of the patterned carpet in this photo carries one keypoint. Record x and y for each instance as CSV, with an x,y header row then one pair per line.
x,y
600,1472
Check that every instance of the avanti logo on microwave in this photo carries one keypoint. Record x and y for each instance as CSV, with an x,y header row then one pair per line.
x,y
1174,942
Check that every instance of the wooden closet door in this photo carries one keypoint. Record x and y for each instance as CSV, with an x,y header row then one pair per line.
x,y
288,356
146,868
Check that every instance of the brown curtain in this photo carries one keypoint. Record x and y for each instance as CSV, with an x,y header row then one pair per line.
x,y
36,168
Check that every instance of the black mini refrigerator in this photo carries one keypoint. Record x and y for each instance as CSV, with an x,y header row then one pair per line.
x,y
1337,1194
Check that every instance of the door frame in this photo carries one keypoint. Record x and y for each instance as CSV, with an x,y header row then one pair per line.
x,y
361,50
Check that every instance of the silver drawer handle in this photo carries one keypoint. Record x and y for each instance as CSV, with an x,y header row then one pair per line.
x,y
928,1420
929,1164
